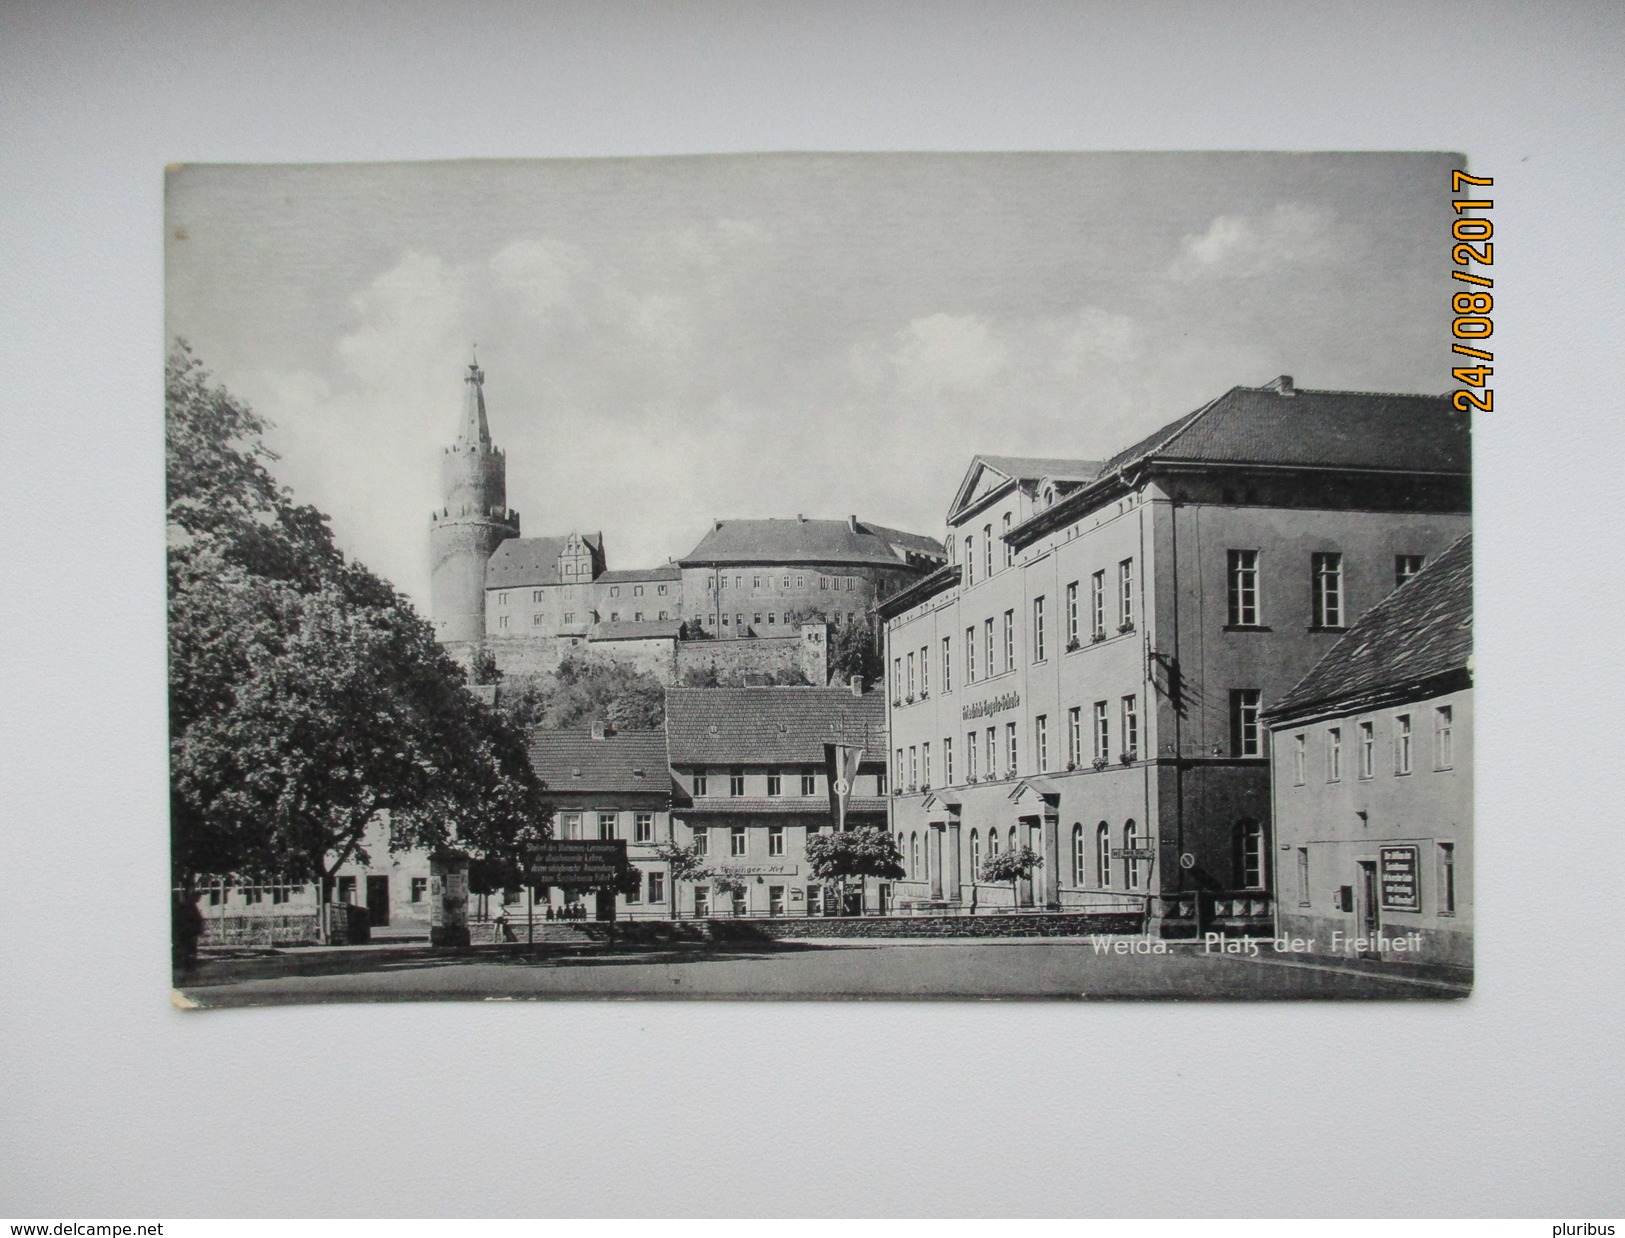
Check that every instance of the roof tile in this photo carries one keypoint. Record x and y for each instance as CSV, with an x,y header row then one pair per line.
x,y
720,726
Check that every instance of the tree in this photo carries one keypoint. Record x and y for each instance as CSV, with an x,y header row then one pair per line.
x,y
685,864
853,650
727,881
308,700
867,851
702,677
1016,864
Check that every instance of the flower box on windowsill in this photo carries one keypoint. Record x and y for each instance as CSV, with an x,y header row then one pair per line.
x,y
1070,766
925,696
898,703
1123,629
908,700
1096,637
1127,758
1100,762
924,787
1073,645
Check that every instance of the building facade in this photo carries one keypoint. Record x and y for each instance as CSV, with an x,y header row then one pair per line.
x,y
1372,760
1087,676
750,786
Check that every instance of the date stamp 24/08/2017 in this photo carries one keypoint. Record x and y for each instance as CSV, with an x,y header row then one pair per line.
x,y
1471,246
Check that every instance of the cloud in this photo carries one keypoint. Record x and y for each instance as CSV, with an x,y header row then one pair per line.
x,y
1249,246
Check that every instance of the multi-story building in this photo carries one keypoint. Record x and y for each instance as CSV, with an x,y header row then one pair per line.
x,y
1372,760
603,783
763,577
1087,675
748,767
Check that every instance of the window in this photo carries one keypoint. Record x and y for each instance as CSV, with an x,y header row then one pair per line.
x,y
900,781
614,591
975,856
784,582
801,582
947,664
987,645
775,900
1131,727
1125,595
1244,588
1447,879
987,549
1074,737
502,621
1038,629
665,614
635,894
992,843
702,840
1041,741
775,783
637,591
913,855
1444,737
947,761
823,583
970,561
1248,847
1406,566
1303,876
755,582
614,616
1245,739
1009,550
1368,750
1402,744
572,825
606,824
569,616
736,782
897,679
925,672
756,619
1131,866
346,891
970,757
992,751
1103,740
420,889
880,782
702,902
913,767
772,617
1103,855
815,901
1072,615
1010,747
925,764
737,840
700,783
1080,855
657,887
1334,754
809,782
775,840
1327,582
970,655
1299,759
1009,640
637,616
910,677
502,599
661,590
537,619
643,827
1097,606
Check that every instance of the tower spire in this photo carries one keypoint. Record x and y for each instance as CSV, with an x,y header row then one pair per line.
x,y
475,430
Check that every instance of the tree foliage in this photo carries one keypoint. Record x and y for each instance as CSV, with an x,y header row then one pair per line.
x,y
684,864
582,691
307,698
854,650
1016,864
852,855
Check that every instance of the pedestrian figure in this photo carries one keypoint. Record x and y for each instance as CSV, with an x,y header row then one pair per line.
x,y
499,924
186,927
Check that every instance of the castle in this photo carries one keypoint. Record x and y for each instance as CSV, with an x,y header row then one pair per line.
x,y
753,596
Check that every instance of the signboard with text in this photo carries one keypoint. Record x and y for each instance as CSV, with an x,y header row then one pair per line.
x,y
575,863
1401,887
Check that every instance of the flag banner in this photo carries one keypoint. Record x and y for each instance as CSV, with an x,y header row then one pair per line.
x,y
841,763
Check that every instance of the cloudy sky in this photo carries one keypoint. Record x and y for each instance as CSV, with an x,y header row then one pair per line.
x,y
671,340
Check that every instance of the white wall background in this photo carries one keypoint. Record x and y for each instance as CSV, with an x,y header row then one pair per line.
x,y
116,1104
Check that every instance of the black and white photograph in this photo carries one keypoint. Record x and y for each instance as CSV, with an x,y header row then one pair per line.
x,y
819,576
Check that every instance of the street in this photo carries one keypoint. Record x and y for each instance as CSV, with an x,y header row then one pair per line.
x,y
1050,968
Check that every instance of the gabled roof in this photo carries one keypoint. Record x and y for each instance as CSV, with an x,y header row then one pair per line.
x,y
777,805
521,561
1414,643
1280,426
623,761
921,590
627,629
1007,469
814,542
741,726
621,576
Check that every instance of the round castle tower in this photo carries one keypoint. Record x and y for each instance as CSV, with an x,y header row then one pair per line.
x,y
472,521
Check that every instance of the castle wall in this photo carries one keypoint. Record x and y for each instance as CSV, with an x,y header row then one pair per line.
x,y
806,650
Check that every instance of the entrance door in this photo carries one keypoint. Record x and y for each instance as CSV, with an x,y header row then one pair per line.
x,y
378,900
883,898
1370,921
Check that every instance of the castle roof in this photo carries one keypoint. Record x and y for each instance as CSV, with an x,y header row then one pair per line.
x,y
523,561
721,726
666,571
836,543
1415,643
473,429
623,761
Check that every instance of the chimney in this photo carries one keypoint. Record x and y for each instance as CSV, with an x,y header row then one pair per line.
x,y
715,525
1282,386
600,730
800,519
857,685
852,523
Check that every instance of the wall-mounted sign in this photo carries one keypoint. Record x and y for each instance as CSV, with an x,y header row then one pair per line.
x,y
1187,860
1133,853
762,870
575,863
1401,889
996,705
